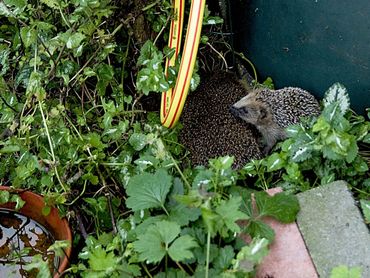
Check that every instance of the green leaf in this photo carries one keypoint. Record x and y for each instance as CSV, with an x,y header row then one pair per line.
x,y
180,248
10,149
343,271
101,260
4,62
275,162
228,213
257,228
28,35
12,8
183,215
4,196
35,86
194,81
138,141
284,207
19,203
337,94
251,255
153,245
39,264
105,74
75,40
54,4
225,257
148,190
365,205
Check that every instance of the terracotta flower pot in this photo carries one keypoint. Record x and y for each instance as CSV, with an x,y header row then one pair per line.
x,y
57,226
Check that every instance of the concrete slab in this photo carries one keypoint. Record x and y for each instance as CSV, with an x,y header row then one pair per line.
x,y
288,257
333,229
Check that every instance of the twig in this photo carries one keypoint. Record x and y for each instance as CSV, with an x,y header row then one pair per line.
x,y
219,54
111,214
81,225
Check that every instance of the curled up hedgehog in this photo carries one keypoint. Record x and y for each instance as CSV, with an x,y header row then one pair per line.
x,y
271,111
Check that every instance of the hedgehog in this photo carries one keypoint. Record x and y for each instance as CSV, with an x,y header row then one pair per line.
x,y
209,130
271,111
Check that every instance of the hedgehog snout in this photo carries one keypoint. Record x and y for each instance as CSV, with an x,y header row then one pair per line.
x,y
234,111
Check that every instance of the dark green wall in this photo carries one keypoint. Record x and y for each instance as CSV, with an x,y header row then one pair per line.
x,y
308,43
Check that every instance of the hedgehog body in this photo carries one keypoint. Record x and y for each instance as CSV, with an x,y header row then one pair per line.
x,y
271,111
209,130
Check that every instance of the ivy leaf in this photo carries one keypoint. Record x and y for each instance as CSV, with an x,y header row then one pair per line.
x,y
28,35
180,248
138,141
228,213
4,62
11,8
194,81
284,207
105,75
74,40
148,190
35,86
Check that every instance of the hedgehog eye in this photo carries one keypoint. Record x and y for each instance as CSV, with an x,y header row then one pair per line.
x,y
245,110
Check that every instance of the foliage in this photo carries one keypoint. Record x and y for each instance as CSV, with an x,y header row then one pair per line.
x,y
189,223
73,129
343,271
319,150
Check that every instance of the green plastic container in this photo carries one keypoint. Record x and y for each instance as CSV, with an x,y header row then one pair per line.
x,y
308,43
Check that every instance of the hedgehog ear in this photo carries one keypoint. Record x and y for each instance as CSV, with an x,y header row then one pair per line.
x,y
263,112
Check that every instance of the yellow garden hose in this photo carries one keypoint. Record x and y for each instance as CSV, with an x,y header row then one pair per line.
x,y
173,100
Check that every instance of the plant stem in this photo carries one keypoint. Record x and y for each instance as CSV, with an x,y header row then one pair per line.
x,y
146,270
79,196
180,266
181,173
51,146
219,54
165,210
208,251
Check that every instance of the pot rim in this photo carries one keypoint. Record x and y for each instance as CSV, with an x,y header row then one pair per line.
x,y
26,194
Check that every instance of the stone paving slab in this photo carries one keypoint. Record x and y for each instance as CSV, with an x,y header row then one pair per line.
x,y
333,229
288,256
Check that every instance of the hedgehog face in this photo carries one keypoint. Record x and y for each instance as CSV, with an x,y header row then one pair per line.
x,y
251,111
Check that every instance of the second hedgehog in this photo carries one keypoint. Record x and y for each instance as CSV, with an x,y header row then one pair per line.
x,y
272,111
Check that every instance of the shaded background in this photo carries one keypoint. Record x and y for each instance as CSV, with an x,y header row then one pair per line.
x,y
308,43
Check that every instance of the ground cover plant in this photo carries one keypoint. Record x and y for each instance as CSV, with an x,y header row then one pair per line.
x,y
74,80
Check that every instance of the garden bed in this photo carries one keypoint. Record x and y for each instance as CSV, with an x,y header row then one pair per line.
x,y
80,125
